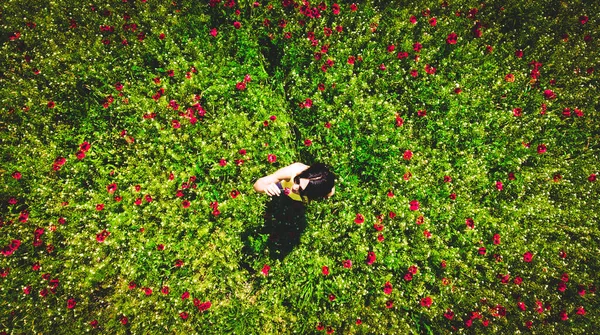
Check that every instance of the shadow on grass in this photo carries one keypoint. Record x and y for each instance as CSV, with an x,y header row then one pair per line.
x,y
285,221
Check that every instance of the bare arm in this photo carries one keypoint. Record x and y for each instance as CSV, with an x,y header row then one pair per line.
x,y
267,184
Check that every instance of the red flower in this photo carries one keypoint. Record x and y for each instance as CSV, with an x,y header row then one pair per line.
x,y
178,263
94,323
320,326
496,239
541,149
408,277
562,254
99,207
382,67
124,320
353,7
426,302
185,295
325,270
389,304
71,303
452,38
185,203
470,223
101,236
402,55
518,280
164,290
499,185
421,112
237,25
380,238
527,257
271,158
213,32
307,142
563,315
482,251
561,287
592,178
407,155
433,21
371,258
147,291
17,175
519,53
347,264
413,19
417,46
583,19
565,277
521,306
183,315
413,269
426,233
331,297
580,310
549,94
132,285
414,73
240,86
387,288
449,314
359,219
265,270
414,205
138,201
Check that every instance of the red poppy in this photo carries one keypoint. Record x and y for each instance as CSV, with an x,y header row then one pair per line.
x,y
433,22
470,223
99,207
565,277
449,314
527,257
496,239
265,270
359,219
592,178
71,303
407,155
452,38
124,320
414,205
561,287
271,158
482,250
421,112
413,269
549,94
371,258
325,270
541,149
499,185
413,19
426,302
387,288
583,19
389,304
519,53
563,315
347,264
165,290
580,310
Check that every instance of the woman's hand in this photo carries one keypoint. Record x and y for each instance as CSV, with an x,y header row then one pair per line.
x,y
272,190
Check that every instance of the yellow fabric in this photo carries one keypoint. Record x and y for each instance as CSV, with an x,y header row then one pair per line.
x,y
289,184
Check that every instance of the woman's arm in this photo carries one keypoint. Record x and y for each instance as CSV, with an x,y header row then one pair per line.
x,y
268,183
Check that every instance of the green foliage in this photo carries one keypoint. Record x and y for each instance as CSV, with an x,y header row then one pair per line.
x,y
175,131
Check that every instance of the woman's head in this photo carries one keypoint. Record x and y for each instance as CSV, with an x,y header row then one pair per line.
x,y
315,182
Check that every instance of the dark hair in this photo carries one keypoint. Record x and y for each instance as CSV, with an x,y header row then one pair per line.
x,y
321,181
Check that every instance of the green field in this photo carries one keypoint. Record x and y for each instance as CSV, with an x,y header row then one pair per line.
x,y
464,135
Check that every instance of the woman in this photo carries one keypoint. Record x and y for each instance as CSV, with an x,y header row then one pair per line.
x,y
299,181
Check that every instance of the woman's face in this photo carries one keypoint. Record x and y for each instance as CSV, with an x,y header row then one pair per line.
x,y
301,186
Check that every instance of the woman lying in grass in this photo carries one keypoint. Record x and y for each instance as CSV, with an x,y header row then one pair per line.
x,y
299,181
